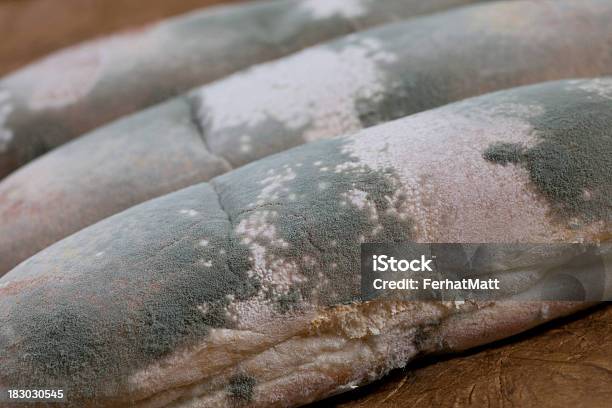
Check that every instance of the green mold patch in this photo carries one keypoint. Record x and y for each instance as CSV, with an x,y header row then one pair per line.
x,y
571,162
314,215
157,288
268,137
288,302
504,153
149,294
241,387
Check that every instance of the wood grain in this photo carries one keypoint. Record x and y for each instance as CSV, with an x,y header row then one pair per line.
x,y
30,29
564,363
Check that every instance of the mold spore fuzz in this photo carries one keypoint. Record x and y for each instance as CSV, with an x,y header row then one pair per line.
x,y
320,9
6,135
346,73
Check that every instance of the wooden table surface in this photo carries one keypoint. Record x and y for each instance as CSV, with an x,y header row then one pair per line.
x,y
564,363
29,29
